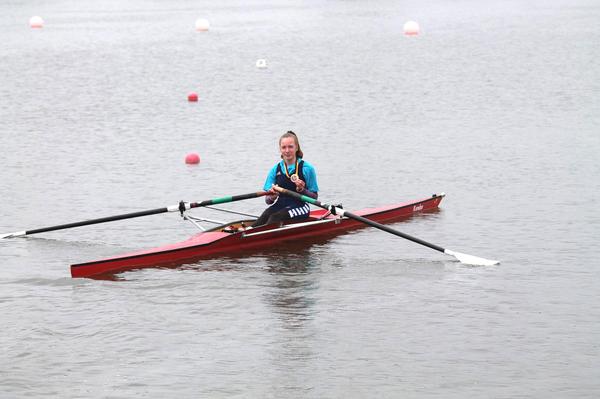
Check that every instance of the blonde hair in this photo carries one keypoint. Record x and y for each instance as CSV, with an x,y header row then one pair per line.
x,y
289,133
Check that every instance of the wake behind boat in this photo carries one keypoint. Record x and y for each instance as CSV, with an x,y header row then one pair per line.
x,y
233,237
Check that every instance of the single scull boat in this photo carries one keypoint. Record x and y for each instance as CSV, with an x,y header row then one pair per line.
x,y
232,237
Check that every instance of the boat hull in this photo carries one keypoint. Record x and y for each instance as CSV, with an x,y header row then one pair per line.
x,y
216,241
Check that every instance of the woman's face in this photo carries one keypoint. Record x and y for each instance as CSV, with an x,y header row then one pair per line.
x,y
287,147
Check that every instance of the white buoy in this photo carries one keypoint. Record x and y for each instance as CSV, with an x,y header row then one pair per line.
x,y
36,22
261,63
202,25
411,28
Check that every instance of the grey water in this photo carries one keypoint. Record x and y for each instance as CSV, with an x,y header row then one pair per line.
x,y
495,103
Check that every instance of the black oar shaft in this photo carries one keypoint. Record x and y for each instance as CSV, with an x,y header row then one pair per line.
x,y
392,231
350,215
99,220
181,207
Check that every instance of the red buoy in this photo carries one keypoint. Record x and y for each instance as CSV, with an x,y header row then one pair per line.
x,y
192,158
193,97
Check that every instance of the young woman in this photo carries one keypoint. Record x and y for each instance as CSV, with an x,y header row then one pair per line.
x,y
292,173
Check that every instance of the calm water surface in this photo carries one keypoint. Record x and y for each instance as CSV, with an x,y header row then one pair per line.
x,y
495,103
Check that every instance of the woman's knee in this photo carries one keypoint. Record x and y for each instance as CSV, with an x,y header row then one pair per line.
x,y
278,216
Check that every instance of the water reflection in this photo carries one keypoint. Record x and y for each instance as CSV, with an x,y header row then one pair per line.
x,y
291,292
287,257
293,283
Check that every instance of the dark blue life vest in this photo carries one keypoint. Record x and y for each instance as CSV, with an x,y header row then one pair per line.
x,y
282,180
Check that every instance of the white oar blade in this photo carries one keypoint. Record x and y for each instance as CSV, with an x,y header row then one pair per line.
x,y
11,235
471,260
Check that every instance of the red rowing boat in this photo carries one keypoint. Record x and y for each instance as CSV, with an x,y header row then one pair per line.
x,y
232,237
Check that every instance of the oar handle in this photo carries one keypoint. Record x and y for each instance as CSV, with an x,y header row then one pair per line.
x,y
300,197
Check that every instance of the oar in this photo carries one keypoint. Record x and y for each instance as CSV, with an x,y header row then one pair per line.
x,y
463,258
181,207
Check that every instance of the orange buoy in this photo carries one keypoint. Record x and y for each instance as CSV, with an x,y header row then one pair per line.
x,y
193,97
192,158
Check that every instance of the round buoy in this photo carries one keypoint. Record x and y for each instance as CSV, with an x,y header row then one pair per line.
x,y
202,25
193,97
411,28
36,22
261,63
192,158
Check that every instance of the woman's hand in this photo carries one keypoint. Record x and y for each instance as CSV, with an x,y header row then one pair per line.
x,y
300,185
271,195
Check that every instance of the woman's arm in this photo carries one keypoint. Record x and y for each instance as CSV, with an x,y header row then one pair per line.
x,y
311,181
268,186
309,194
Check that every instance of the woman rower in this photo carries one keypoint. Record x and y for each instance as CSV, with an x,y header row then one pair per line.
x,y
292,173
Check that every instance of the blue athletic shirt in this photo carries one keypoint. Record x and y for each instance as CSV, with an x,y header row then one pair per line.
x,y
308,170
